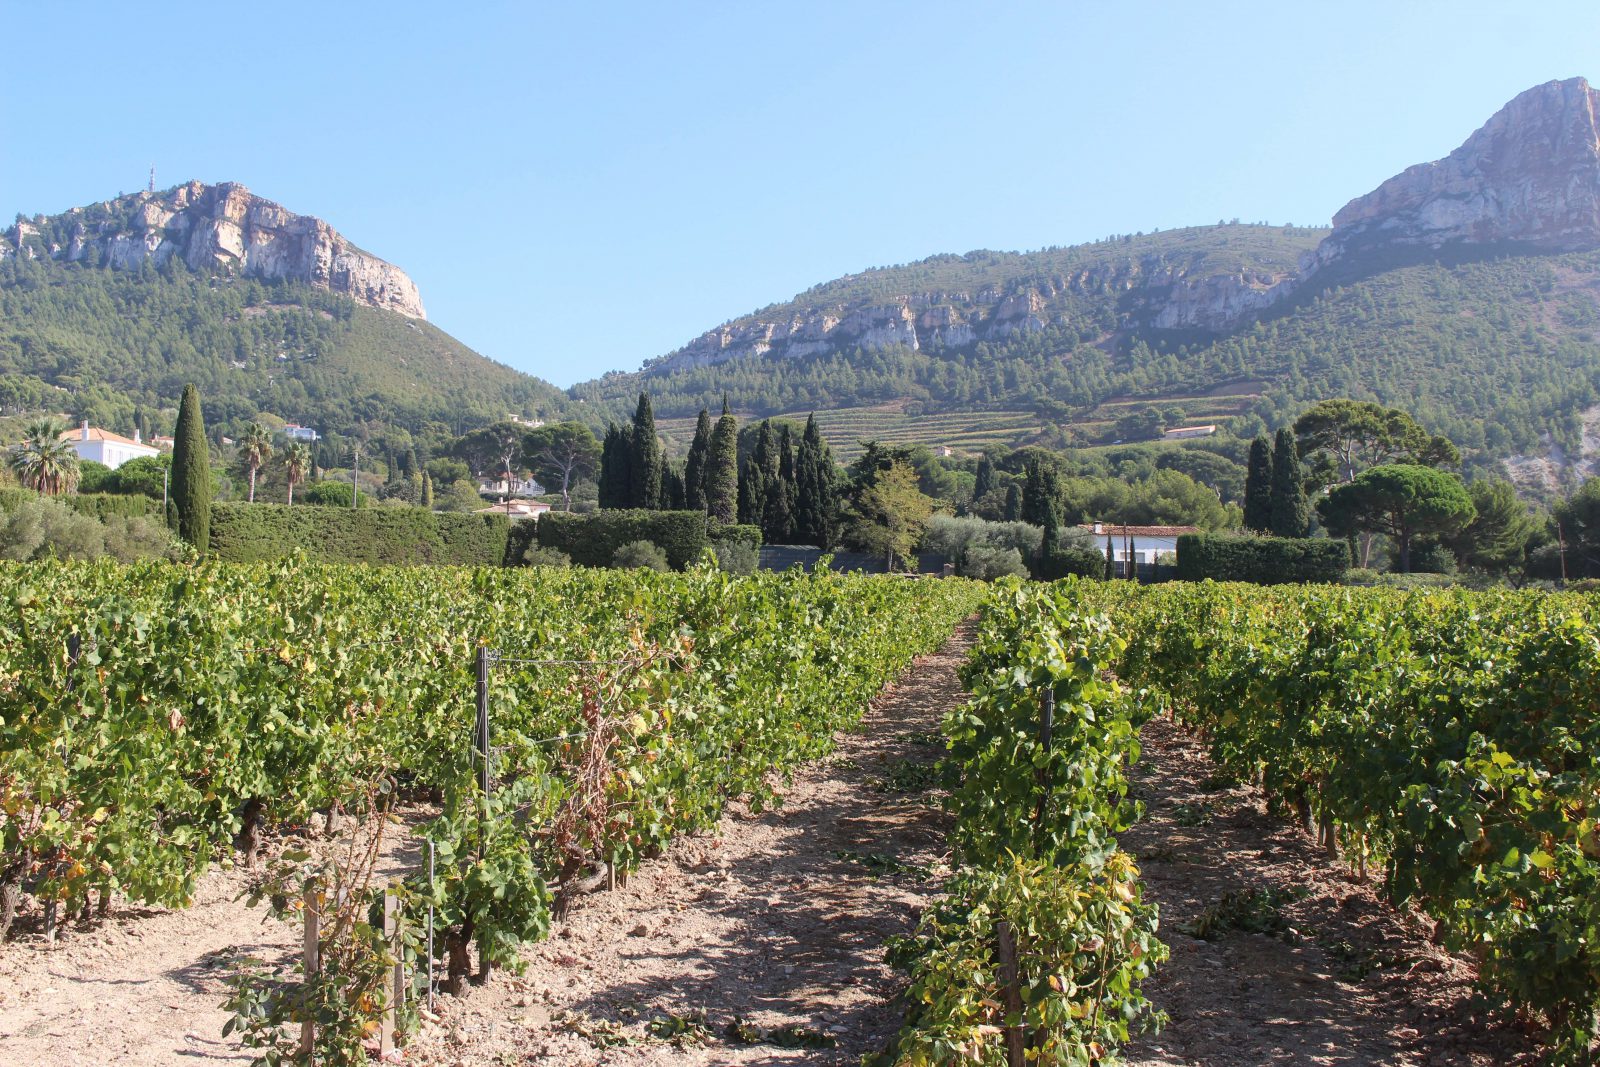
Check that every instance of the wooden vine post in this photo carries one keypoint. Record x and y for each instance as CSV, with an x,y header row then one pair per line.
x,y
391,1012
480,739
1047,717
1011,981
312,966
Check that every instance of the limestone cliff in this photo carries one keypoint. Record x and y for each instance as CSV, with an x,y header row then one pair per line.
x,y
1529,177
218,227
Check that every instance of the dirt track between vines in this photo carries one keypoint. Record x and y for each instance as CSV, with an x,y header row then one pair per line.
x,y
1346,981
775,919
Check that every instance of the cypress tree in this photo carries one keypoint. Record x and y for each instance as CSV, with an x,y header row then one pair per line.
x,y
758,478
694,468
1111,564
672,488
616,479
722,468
781,492
644,459
427,490
1013,503
1041,491
985,481
1290,511
816,490
1258,486
191,473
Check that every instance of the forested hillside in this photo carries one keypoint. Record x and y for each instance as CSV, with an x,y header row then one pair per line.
x,y
109,343
1495,352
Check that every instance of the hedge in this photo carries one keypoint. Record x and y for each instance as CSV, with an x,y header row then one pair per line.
x,y
1262,560
250,533
96,505
104,505
733,533
591,540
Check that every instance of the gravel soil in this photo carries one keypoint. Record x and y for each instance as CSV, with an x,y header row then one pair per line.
x,y
1331,975
777,920
145,986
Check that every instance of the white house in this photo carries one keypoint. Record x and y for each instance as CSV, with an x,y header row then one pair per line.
x,y
1147,544
518,487
517,510
103,446
1182,432
300,433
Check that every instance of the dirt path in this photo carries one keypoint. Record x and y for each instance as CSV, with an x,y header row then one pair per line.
x,y
145,987
778,920
1330,975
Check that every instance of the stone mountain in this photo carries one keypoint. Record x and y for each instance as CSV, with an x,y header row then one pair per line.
x,y
217,227
1530,178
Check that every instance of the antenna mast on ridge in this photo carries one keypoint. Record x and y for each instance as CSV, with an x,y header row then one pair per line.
x,y
152,177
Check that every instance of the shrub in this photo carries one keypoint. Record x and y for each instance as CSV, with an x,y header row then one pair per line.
x,y
980,548
136,537
93,477
45,529
538,556
330,494
737,557
1076,553
593,540
722,533
1263,560
991,561
645,554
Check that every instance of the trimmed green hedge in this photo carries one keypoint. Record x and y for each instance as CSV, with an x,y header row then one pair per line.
x,y
593,539
733,533
1262,560
250,533
105,505
96,505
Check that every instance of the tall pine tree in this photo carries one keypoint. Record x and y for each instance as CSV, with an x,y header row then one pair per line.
x,y
694,468
191,473
1290,511
722,468
1258,486
644,459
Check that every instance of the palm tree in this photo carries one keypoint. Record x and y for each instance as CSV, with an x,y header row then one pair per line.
x,y
255,445
44,461
296,464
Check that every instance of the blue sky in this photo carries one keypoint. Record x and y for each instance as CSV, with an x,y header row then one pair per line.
x,y
579,187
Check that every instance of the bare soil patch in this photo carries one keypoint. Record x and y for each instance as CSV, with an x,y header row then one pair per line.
x,y
144,987
1312,968
776,922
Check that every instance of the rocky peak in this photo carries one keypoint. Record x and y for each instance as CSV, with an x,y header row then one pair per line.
x,y
219,227
1530,176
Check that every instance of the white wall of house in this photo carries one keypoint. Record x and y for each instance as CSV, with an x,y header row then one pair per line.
x,y
112,453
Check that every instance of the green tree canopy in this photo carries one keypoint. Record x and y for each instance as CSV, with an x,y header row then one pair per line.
x,y
562,452
1498,537
1401,500
1342,437
889,513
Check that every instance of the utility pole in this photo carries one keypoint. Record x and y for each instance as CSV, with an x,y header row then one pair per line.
x,y
152,177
